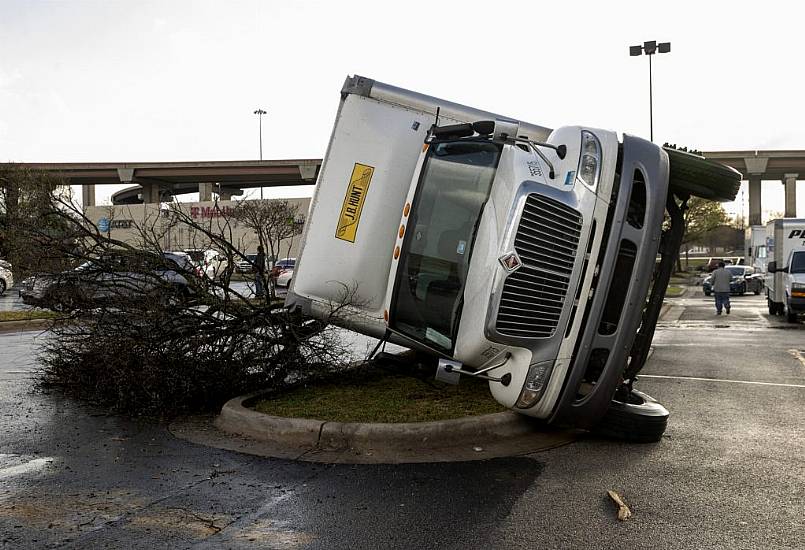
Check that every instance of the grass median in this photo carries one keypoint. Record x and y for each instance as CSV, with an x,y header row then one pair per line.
x,y
383,397
674,291
26,315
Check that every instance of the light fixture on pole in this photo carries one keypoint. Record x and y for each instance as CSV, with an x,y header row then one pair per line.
x,y
650,48
260,113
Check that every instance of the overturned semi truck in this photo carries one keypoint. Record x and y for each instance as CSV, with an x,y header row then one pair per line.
x,y
508,251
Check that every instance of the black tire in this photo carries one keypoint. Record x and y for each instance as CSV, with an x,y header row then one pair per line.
x,y
772,307
790,316
640,420
743,289
2,287
690,173
757,291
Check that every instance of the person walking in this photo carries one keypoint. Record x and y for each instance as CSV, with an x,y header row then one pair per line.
x,y
259,269
721,288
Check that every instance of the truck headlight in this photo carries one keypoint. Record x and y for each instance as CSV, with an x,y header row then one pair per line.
x,y
535,382
590,162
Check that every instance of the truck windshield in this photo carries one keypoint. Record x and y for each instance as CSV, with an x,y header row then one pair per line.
x,y
797,263
454,186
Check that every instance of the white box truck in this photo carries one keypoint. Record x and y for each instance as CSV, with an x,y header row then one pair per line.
x,y
755,247
785,277
509,251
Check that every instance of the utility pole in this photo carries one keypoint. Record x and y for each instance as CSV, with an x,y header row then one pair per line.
x,y
650,48
260,113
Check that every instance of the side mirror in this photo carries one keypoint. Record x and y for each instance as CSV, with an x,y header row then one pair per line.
x,y
771,267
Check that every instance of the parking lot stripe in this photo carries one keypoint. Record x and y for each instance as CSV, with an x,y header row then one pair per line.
x,y
722,380
27,467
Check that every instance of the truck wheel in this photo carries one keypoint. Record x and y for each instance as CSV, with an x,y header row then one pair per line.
x,y
2,287
704,178
639,420
790,316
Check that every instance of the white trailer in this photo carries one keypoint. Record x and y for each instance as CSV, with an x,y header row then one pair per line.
x,y
755,247
785,278
512,252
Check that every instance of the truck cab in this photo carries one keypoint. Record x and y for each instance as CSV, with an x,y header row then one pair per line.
x,y
791,284
527,261
755,247
508,251
785,244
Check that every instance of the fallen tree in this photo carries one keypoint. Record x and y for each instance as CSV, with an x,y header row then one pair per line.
x,y
143,331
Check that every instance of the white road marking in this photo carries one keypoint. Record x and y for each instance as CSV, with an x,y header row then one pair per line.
x,y
24,468
722,380
798,356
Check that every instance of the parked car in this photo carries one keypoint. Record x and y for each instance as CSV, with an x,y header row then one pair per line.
x,y
211,262
712,263
116,276
744,279
6,276
284,278
247,265
282,266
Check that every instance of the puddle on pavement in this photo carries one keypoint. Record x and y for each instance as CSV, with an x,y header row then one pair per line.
x,y
192,524
274,534
68,512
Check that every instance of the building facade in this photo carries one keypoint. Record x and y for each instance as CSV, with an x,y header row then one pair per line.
x,y
128,223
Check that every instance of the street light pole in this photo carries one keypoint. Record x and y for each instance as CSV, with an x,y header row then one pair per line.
x,y
650,48
260,113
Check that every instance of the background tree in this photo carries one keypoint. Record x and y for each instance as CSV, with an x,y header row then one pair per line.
x,y
701,217
26,199
274,222
773,215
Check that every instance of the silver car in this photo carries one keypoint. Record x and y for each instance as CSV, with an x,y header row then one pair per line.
x,y
6,276
117,276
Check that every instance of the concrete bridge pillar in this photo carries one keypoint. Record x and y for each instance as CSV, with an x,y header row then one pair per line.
x,y
205,191
87,195
790,183
755,211
756,167
150,193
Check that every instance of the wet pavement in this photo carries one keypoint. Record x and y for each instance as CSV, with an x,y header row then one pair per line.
x,y
10,300
729,472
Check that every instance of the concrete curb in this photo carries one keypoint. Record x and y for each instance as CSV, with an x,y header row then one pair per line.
x,y
21,326
664,309
470,438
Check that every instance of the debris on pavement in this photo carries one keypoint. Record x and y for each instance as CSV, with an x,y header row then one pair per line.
x,y
624,512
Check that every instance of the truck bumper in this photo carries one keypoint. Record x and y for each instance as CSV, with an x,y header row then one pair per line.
x,y
797,304
626,265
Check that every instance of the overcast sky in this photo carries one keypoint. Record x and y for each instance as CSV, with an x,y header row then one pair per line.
x,y
172,80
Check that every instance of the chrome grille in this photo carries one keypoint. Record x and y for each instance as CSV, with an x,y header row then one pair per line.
x,y
533,296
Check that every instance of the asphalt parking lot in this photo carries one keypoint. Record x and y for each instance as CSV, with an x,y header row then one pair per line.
x,y
729,472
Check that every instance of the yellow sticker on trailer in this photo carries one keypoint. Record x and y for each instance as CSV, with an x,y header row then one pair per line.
x,y
353,202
